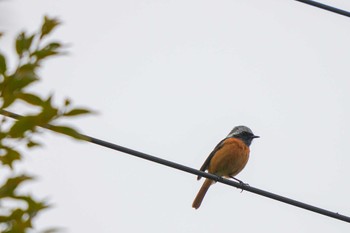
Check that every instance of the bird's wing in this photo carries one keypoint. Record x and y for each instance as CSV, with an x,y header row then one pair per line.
x,y
207,161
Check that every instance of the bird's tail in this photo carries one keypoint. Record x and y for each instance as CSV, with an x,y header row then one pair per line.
x,y
199,198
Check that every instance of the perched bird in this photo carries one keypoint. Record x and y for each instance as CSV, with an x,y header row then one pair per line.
x,y
227,159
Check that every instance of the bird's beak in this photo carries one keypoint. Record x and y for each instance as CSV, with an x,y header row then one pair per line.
x,y
255,136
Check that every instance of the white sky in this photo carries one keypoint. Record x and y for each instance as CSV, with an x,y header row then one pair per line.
x,y
172,78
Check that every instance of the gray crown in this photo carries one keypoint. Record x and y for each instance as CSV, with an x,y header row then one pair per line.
x,y
238,130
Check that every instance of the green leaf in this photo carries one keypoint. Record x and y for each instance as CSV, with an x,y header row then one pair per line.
x,y
24,76
3,133
8,189
33,206
23,125
53,46
28,123
67,131
77,111
3,66
23,43
67,102
10,157
52,230
4,219
18,222
49,112
31,99
7,101
32,144
48,25
48,50
11,86
20,43
28,67
41,54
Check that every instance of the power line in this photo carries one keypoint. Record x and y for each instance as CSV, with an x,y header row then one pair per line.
x,y
325,7
199,173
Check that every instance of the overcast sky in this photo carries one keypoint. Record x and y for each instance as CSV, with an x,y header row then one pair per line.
x,y
172,78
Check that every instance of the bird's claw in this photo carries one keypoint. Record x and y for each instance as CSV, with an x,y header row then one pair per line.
x,y
242,185
218,178
240,182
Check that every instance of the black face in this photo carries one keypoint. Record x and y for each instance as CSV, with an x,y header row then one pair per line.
x,y
246,137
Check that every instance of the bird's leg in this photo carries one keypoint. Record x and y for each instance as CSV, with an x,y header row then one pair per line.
x,y
218,178
241,182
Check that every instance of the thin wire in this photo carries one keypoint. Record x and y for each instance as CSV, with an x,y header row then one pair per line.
x,y
200,173
326,7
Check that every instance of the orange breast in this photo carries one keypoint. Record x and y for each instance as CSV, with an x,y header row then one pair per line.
x,y
230,159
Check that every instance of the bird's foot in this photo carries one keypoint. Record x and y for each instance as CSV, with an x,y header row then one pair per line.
x,y
218,178
240,182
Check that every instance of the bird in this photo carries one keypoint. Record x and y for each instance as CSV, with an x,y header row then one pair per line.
x,y
227,159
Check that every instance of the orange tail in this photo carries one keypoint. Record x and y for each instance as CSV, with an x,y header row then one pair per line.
x,y
199,198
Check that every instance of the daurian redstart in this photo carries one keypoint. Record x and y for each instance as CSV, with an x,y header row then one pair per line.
x,y
227,159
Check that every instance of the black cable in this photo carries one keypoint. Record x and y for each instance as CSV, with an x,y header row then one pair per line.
x,y
325,7
200,173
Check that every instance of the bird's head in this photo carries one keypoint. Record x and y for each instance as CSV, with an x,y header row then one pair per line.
x,y
243,133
